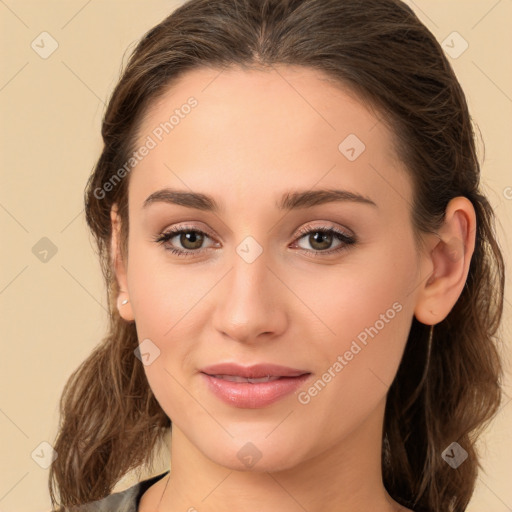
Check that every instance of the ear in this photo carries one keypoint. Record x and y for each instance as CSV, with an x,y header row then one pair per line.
x,y
119,265
448,258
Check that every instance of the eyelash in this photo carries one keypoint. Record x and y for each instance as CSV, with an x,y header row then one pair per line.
x,y
347,240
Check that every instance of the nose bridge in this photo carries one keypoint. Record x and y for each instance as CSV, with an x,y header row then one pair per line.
x,y
249,302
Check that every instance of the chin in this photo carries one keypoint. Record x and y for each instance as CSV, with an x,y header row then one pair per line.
x,y
257,455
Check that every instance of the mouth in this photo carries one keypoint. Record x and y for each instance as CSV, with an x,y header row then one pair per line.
x,y
254,386
238,378
266,371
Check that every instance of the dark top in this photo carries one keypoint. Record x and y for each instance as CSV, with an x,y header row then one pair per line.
x,y
124,501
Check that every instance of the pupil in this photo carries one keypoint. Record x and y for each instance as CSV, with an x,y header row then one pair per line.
x,y
323,237
191,237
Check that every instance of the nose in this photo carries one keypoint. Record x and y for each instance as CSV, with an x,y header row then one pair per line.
x,y
251,305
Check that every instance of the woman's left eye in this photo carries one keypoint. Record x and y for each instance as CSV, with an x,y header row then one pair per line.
x,y
191,239
326,235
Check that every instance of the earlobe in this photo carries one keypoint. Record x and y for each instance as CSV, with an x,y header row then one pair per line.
x,y
117,262
450,256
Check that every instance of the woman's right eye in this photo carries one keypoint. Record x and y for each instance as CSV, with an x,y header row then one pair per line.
x,y
185,236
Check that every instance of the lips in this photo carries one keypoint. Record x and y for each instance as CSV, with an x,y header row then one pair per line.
x,y
237,378
256,371
252,386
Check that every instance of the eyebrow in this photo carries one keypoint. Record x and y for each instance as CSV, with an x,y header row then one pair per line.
x,y
291,200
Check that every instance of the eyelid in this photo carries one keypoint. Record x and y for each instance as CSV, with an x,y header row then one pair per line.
x,y
324,227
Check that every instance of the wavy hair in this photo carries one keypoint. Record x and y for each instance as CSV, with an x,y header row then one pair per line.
x,y
110,421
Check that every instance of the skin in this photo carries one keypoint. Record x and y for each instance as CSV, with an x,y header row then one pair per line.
x,y
253,136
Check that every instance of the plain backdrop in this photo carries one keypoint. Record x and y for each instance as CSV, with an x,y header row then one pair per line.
x,y
53,311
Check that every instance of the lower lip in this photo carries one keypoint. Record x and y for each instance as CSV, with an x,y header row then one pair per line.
x,y
252,396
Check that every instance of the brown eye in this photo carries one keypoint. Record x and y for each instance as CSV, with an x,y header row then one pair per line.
x,y
321,238
191,240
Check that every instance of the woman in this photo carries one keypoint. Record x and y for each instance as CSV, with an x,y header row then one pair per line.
x,y
303,273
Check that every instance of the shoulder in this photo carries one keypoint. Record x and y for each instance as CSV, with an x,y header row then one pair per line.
x,y
124,501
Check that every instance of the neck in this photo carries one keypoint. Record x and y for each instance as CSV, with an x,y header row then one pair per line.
x,y
345,478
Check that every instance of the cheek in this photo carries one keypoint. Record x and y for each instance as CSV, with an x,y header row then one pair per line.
x,y
369,290
161,292
366,311
163,299
171,392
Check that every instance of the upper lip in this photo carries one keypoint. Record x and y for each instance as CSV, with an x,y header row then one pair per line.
x,y
254,372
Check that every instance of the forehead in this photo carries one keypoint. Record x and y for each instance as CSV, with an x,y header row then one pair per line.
x,y
305,100
251,131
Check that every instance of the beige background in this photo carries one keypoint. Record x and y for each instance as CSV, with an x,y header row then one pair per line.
x,y
53,313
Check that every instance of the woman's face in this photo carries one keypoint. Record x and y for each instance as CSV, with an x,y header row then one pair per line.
x,y
262,284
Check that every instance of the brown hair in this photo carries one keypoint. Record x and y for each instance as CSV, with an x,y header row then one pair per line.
x,y
110,419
